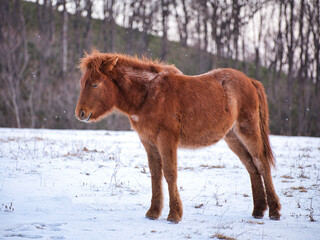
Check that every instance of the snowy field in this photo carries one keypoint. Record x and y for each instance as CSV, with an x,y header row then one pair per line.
x,y
58,184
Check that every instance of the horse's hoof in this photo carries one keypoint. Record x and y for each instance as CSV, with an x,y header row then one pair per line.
x,y
173,221
174,218
258,214
151,218
152,215
275,217
274,214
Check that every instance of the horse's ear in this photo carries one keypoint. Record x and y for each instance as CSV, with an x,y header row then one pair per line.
x,y
109,64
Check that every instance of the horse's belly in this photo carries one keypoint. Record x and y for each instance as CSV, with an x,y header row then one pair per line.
x,y
195,134
197,140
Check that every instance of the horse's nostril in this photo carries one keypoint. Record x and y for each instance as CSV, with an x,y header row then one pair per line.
x,y
81,114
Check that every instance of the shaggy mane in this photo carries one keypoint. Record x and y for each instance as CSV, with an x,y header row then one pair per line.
x,y
94,60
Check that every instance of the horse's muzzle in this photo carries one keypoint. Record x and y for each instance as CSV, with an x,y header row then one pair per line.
x,y
83,116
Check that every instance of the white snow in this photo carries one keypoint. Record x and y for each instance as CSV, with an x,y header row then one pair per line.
x,y
63,184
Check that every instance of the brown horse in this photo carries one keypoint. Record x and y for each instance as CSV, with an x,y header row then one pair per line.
x,y
169,109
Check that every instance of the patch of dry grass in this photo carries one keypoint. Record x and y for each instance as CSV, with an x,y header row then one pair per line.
x,y
38,138
199,206
288,194
186,168
212,166
300,189
287,176
221,236
255,222
286,181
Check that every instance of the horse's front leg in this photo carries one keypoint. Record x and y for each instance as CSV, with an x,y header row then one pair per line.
x,y
167,145
155,165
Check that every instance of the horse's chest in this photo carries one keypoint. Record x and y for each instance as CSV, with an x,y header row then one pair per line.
x,y
143,126
148,126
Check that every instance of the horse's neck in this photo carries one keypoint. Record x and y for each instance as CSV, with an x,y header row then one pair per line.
x,y
133,88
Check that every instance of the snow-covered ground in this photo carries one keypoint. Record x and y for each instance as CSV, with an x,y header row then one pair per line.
x,y
58,184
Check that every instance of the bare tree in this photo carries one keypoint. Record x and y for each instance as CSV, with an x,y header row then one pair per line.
x,y
65,40
14,55
108,25
76,26
133,14
314,11
147,15
87,26
164,26
183,20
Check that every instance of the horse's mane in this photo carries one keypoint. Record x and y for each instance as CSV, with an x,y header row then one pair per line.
x,y
94,60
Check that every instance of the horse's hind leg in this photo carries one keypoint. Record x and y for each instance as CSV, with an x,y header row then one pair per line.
x,y
155,165
251,138
258,192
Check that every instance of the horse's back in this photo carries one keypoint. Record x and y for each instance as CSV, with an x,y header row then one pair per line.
x,y
212,103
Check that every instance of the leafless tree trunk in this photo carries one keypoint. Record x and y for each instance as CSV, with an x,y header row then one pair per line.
x,y
279,42
65,40
314,21
236,7
290,54
182,21
148,10
257,47
164,21
134,8
302,78
85,36
205,24
111,24
214,32
76,29
316,39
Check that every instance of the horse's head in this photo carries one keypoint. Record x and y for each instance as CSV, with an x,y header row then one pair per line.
x,y
98,92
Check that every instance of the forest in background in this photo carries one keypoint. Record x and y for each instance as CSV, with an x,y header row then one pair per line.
x,y
274,41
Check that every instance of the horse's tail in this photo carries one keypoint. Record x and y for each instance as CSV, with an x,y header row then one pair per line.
x,y
264,122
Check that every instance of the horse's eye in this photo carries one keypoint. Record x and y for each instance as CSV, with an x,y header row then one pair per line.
x,y
95,85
